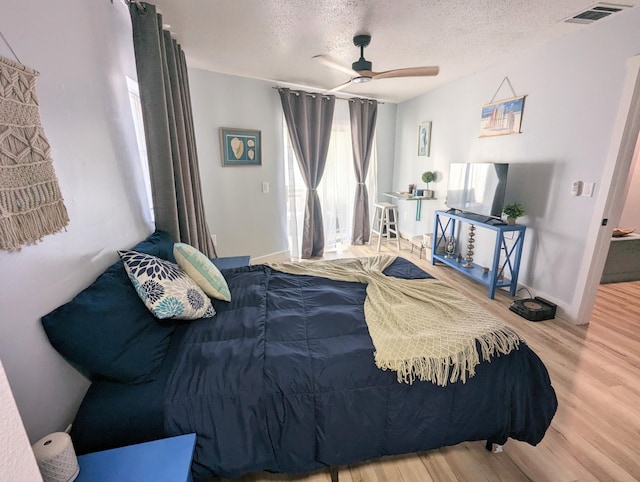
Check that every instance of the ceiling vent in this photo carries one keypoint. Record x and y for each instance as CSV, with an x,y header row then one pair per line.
x,y
597,12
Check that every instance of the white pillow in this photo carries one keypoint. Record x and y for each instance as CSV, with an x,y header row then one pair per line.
x,y
202,271
165,288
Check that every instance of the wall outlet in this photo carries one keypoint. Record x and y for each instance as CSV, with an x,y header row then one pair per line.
x,y
214,238
265,187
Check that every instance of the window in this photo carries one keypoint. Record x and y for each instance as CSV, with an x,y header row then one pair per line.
x,y
336,189
136,111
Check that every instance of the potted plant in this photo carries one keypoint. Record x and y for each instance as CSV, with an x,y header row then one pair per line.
x,y
428,177
513,211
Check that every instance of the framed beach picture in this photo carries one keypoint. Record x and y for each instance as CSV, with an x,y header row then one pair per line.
x,y
424,139
240,147
502,118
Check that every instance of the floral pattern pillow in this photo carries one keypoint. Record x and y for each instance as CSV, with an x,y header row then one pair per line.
x,y
166,290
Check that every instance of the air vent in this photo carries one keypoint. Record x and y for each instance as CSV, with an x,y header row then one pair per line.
x,y
597,12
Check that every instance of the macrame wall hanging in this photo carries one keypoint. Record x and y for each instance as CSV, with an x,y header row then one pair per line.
x,y
31,205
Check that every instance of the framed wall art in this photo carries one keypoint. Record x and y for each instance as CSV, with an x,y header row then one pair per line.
x,y
424,139
502,118
240,147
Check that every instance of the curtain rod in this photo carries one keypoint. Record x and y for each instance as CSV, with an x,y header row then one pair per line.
x,y
327,96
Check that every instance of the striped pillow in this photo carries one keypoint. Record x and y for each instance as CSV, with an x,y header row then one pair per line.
x,y
201,270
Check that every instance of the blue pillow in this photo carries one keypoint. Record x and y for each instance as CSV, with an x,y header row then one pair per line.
x,y
106,330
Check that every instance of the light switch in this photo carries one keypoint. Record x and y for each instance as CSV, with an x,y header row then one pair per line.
x,y
588,188
265,187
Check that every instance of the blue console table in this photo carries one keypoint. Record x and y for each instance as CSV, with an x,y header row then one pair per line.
x,y
496,277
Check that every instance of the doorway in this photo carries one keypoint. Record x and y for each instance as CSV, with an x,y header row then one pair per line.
x,y
623,154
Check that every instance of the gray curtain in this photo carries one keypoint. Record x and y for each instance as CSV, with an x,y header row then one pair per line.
x,y
309,118
168,125
363,114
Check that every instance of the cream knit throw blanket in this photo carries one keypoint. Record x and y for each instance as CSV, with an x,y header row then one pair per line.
x,y
31,204
420,328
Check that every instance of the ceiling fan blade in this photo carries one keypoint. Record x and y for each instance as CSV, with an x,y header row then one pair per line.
x,y
408,72
329,62
340,87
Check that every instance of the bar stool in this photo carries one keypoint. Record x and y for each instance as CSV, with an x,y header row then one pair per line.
x,y
385,223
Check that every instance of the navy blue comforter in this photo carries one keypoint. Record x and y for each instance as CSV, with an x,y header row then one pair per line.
x,y
283,379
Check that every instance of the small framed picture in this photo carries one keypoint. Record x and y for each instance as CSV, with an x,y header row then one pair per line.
x,y
424,139
240,147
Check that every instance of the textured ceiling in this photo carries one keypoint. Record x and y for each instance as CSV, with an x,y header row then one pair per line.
x,y
276,39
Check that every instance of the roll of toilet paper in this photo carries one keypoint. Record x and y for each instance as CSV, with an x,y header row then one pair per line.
x,y
56,458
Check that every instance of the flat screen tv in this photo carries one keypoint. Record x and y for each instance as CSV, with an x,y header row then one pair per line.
x,y
477,188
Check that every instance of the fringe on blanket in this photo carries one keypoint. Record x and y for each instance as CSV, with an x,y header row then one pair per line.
x,y
421,328
457,367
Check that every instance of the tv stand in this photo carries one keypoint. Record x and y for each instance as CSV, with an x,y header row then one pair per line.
x,y
445,226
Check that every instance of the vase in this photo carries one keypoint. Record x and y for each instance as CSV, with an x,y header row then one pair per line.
x,y
511,221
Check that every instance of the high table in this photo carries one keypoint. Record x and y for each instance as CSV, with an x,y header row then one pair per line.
x,y
403,196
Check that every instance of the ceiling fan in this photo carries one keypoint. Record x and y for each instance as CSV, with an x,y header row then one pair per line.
x,y
360,70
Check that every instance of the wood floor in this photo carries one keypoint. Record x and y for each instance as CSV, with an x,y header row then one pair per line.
x,y
595,370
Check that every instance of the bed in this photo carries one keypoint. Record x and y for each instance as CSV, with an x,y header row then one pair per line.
x,y
282,379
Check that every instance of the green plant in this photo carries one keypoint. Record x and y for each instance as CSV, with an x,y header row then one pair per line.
x,y
513,210
428,177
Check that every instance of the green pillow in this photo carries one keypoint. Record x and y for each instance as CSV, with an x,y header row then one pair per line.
x,y
201,270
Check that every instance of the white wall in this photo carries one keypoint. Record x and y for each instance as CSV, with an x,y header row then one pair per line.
x,y
18,462
244,220
83,51
573,89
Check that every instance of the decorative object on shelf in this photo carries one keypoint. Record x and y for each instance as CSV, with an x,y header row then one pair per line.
x,y
31,205
503,117
450,247
240,147
428,177
470,242
411,188
513,212
424,139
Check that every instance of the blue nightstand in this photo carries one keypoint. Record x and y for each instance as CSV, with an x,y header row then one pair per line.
x,y
231,262
165,460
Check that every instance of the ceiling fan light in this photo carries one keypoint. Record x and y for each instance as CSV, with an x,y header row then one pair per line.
x,y
361,79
